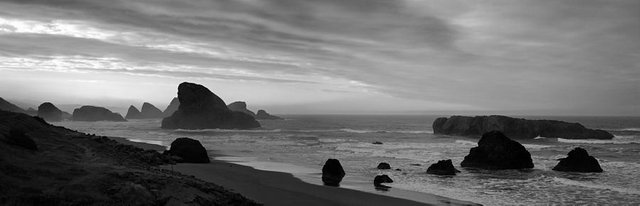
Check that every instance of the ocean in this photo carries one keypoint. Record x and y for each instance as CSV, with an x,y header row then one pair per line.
x,y
302,143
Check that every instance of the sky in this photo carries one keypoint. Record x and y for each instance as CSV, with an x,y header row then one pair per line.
x,y
531,57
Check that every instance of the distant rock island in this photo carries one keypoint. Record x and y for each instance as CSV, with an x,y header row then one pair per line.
x,y
8,106
49,112
92,114
242,107
173,107
148,112
202,109
515,127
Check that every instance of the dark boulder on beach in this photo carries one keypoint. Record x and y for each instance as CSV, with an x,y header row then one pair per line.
x,y
384,166
240,107
172,107
8,106
578,160
496,151
49,112
515,127
442,167
149,111
202,109
379,179
264,115
332,173
132,113
189,151
92,114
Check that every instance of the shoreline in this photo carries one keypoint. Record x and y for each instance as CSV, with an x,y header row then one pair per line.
x,y
283,188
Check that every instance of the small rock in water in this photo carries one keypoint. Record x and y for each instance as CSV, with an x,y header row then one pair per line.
x,y
578,160
384,166
443,167
376,142
378,180
332,173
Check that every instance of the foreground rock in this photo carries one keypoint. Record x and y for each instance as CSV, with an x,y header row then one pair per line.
x,y
92,114
49,112
495,151
132,113
72,168
332,173
379,179
442,167
515,127
171,108
201,109
384,166
240,107
578,160
264,115
189,151
8,106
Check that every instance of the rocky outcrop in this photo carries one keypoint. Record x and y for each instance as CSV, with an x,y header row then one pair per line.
x,y
264,115
133,113
189,151
92,114
150,112
240,107
515,127
31,111
8,106
442,167
384,166
201,109
172,107
332,173
496,151
578,160
49,112
379,179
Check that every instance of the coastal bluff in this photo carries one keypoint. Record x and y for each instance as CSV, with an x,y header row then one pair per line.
x,y
202,109
515,127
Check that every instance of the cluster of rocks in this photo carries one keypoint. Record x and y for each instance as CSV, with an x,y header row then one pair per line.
x,y
515,127
261,114
148,112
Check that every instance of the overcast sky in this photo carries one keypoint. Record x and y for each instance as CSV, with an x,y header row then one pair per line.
x,y
335,56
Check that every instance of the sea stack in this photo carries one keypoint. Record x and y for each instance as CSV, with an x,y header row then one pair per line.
x,y
515,127
240,107
92,114
173,107
578,160
332,173
49,112
264,115
495,151
202,109
132,113
442,167
149,111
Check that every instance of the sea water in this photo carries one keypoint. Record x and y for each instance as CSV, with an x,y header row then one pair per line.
x,y
302,143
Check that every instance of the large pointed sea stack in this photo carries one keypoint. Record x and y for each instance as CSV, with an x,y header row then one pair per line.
x,y
173,107
496,151
92,114
202,109
49,112
133,113
149,111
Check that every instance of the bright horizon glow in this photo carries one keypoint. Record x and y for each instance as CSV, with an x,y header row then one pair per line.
x,y
523,57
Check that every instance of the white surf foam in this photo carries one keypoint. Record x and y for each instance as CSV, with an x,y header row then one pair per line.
x,y
596,186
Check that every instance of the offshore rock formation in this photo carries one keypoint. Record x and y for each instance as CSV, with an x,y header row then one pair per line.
x,y
515,127
49,112
578,160
264,115
202,109
132,113
442,167
384,166
8,106
332,173
495,151
172,107
92,114
240,107
189,150
150,112
379,179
